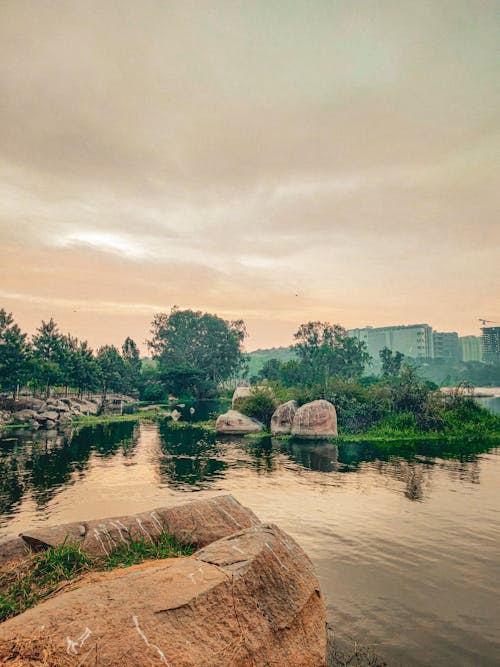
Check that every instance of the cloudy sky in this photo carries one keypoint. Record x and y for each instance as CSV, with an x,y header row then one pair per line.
x,y
278,161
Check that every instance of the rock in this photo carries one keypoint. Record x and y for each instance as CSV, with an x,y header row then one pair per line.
x,y
22,416
64,417
282,419
49,415
50,424
317,419
235,423
198,523
251,599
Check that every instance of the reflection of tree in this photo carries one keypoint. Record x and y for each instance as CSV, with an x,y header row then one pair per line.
x,y
263,454
320,455
46,463
190,456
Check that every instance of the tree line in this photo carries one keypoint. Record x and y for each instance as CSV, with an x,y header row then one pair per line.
x,y
192,353
52,359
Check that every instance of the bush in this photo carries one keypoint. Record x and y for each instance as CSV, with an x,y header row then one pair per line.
x,y
260,404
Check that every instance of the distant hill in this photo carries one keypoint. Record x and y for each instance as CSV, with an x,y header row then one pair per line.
x,y
258,358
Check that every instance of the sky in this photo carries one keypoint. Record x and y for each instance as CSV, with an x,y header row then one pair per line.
x,y
274,161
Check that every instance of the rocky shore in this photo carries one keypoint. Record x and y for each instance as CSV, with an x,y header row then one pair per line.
x,y
53,412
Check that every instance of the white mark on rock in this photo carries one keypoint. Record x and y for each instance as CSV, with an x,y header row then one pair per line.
x,y
191,576
98,538
72,645
146,641
119,531
156,521
282,564
139,522
227,513
238,550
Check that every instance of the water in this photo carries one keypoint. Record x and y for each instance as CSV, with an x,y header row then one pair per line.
x,y
405,540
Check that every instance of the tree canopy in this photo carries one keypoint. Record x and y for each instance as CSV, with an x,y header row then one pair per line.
x,y
196,351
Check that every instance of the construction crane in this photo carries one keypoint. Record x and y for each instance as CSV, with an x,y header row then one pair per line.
x,y
484,322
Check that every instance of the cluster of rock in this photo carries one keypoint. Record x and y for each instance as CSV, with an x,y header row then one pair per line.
x,y
317,419
248,597
50,413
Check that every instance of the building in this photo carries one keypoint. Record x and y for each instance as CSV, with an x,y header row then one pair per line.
x,y
472,348
491,343
446,345
413,340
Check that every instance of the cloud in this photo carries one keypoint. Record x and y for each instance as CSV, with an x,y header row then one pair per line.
x,y
230,155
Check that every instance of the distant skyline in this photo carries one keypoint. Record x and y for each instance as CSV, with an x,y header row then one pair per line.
x,y
275,162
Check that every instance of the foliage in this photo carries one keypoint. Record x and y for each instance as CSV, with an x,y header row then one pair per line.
x,y
260,404
164,546
327,351
391,362
14,354
132,366
112,370
196,351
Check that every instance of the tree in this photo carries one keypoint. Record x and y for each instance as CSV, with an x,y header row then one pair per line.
x,y
14,354
48,352
85,369
112,373
326,350
391,362
196,351
133,365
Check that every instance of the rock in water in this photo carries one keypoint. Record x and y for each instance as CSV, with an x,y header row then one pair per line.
x,y
248,600
282,419
317,419
233,422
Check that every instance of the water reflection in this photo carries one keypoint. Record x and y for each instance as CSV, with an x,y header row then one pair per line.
x,y
41,463
320,455
190,457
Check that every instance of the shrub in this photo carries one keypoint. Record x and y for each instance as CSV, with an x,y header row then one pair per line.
x,y
260,404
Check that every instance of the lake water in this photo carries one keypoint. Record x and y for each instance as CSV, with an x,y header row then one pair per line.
x,y
406,541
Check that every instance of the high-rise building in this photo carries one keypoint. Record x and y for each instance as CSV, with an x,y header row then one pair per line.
x,y
491,343
472,348
413,340
446,345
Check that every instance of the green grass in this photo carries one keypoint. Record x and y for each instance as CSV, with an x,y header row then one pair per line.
x,y
40,575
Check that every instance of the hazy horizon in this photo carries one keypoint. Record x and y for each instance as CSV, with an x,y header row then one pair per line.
x,y
316,161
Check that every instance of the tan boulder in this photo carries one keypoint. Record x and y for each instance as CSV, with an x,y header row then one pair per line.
x,y
198,523
233,422
317,419
251,599
282,419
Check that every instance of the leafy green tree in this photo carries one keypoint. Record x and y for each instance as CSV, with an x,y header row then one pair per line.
x,y
85,370
259,404
326,350
112,372
133,364
391,362
14,354
196,351
49,349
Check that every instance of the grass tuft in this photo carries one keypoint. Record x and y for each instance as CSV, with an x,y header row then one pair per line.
x,y
38,576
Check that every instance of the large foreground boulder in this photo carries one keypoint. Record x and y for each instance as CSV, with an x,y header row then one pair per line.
x,y
251,599
282,419
317,419
233,422
198,523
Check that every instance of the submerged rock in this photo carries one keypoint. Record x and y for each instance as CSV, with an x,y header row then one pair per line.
x,y
233,422
282,419
317,419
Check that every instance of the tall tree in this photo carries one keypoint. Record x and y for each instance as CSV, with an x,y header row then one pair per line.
x,y
133,364
14,354
196,351
326,350
48,353
111,370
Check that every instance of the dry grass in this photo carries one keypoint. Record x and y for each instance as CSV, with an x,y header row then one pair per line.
x,y
33,652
